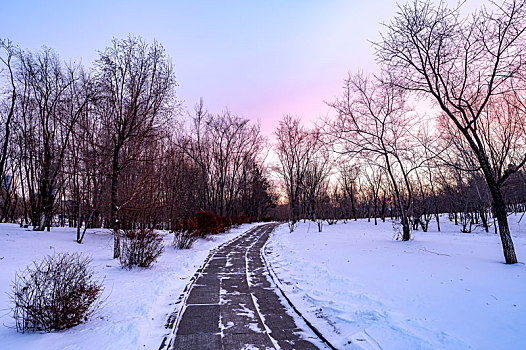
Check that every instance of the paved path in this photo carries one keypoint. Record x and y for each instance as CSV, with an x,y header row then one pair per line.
x,y
232,304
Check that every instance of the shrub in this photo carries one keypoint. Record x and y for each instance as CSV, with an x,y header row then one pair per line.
x,y
238,220
226,222
185,233
55,293
140,247
332,221
208,222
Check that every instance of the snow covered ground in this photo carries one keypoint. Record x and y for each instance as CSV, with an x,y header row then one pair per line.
x,y
441,290
136,302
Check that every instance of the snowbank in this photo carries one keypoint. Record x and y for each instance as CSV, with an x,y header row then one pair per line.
x,y
441,290
136,302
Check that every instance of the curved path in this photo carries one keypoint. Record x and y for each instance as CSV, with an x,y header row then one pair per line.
x,y
233,305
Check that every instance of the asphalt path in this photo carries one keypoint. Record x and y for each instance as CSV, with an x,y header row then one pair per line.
x,y
233,303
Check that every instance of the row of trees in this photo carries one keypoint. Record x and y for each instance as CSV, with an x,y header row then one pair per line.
x,y
107,147
361,188
473,71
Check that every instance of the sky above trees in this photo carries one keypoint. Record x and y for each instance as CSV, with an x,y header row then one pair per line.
x,y
261,59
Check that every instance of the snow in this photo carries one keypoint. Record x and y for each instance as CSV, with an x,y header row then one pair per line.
x,y
136,302
441,290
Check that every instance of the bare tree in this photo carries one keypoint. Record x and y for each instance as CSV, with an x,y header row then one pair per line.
x,y
295,147
255,197
51,99
349,174
374,176
373,123
135,83
227,150
463,65
8,98
235,145
7,111
315,184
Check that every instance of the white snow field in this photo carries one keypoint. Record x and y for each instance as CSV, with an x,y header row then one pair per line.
x,y
136,302
440,290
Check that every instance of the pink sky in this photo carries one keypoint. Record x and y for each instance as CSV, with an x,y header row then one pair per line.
x,y
261,60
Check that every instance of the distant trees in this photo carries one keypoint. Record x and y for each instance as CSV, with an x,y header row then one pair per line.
x,y
7,111
51,98
227,150
302,165
372,122
102,148
226,153
373,175
471,69
348,179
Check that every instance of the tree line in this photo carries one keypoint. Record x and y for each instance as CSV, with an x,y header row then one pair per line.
x,y
391,160
109,146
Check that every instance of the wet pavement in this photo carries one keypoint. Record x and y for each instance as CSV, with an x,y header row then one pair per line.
x,y
232,303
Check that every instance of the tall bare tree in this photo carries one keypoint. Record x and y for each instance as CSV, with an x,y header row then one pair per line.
x,y
349,174
463,65
373,122
8,93
51,99
135,82
295,148
7,111
227,150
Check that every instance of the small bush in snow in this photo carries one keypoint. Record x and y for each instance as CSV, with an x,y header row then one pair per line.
x,y
140,247
239,220
185,234
56,293
227,223
332,221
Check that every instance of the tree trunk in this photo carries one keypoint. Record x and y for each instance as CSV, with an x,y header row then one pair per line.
x,y
502,218
46,205
406,230
353,206
375,210
113,208
79,224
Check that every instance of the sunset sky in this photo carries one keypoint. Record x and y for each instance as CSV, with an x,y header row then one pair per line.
x,y
262,60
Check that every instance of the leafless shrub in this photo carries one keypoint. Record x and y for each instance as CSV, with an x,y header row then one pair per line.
x,y
55,293
332,221
184,239
186,233
140,247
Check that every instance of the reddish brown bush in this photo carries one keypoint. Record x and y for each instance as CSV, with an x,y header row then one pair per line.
x,y
56,293
208,222
239,220
185,234
235,221
227,223
140,247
